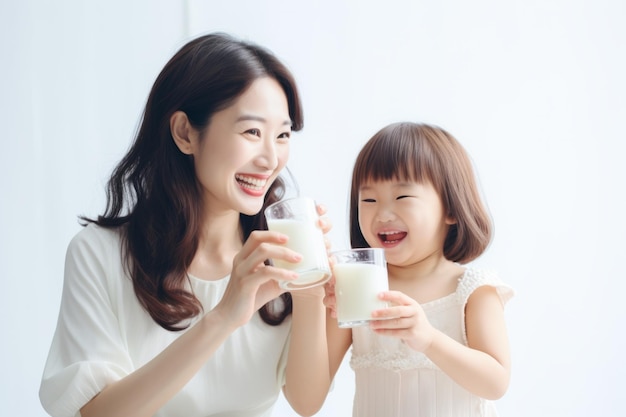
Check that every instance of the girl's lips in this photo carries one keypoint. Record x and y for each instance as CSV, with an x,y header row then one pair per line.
x,y
391,238
253,185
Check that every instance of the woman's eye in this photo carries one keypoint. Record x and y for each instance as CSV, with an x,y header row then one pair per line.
x,y
284,136
254,132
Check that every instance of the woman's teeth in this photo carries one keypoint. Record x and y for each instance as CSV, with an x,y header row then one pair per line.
x,y
251,182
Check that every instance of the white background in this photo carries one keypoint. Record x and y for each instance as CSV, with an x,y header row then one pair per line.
x,y
534,89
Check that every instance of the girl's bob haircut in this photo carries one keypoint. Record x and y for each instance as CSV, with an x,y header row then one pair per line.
x,y
424,153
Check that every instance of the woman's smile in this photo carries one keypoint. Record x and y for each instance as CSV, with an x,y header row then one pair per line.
x,y
254,185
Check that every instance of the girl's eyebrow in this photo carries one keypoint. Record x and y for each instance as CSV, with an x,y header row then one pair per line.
x,y
393,185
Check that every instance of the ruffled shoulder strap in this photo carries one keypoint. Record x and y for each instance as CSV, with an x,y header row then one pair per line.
x,y
474,278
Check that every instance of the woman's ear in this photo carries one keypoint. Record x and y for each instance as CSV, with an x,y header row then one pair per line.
x,y
182,132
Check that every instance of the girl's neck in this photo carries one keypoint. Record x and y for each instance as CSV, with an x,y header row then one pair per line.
x,y
432,265
426,280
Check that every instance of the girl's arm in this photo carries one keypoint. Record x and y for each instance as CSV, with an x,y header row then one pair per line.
x,y
307,374
483,368
252,284
316,351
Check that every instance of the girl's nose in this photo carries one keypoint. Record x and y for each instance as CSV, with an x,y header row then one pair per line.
x,y
385,214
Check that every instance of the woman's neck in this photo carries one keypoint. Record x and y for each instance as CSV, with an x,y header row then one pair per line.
x,y
219,241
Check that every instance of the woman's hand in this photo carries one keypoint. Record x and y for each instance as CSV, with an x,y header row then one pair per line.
x,y
405,320
252,283
324,224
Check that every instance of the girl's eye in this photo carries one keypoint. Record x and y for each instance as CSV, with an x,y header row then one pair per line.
x,y
401,197
368,200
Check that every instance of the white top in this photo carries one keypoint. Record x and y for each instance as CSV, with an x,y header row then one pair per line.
x,y
395,380
103,334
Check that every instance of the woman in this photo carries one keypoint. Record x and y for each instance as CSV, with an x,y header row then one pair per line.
x,y
161,292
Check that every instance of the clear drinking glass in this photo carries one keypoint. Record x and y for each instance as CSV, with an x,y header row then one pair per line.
x,y
360,275
297,218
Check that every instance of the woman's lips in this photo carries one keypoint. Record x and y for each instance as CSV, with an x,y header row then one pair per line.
x,y
252,185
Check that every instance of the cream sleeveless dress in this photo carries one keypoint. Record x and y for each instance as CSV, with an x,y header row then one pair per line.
x,y
394,380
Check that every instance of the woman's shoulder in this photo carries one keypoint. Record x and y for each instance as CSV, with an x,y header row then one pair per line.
x,y
93,234
94,243
474,278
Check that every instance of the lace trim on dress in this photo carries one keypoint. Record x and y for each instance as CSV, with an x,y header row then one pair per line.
x,y
399,360
474,278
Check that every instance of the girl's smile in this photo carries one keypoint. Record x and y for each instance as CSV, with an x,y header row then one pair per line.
x,y
391,238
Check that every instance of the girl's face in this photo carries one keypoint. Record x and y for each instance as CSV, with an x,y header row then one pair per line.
x,y
405,218
244,148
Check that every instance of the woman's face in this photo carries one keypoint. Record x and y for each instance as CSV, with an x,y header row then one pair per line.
x,y
244,148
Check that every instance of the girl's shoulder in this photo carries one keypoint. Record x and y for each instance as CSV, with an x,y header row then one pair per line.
x,y
474,278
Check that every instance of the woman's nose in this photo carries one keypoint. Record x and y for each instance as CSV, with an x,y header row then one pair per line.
x,y
268,157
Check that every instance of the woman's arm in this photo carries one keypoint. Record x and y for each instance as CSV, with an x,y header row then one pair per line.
x,y
144,391
251,285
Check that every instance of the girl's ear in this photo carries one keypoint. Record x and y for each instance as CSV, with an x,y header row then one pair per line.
x,y
182,132
450,220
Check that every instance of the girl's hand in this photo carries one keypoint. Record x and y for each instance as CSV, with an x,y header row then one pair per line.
x,y
330,301
252,283
405,320
324,224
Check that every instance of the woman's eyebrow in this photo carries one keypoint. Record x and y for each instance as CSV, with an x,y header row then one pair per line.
x,y
255,118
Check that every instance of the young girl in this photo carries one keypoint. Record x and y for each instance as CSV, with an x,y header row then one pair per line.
x,y
168,307
441,348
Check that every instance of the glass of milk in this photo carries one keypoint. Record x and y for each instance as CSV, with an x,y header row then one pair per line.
x,y
297,218
360,275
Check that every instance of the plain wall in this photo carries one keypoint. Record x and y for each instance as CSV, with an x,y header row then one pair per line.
x,y
533,89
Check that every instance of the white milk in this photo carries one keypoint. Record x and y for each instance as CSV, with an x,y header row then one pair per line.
x,y
306,238
357,288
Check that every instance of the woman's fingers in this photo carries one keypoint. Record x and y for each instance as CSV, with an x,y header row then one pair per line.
x,y
324,222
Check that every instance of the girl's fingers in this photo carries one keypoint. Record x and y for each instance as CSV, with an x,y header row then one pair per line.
x,y
396,297
401,306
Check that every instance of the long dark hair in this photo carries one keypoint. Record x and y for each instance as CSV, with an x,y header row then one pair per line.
x,y
153,195
421,152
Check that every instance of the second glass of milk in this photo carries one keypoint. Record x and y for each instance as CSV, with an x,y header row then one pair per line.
x,y
360,275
